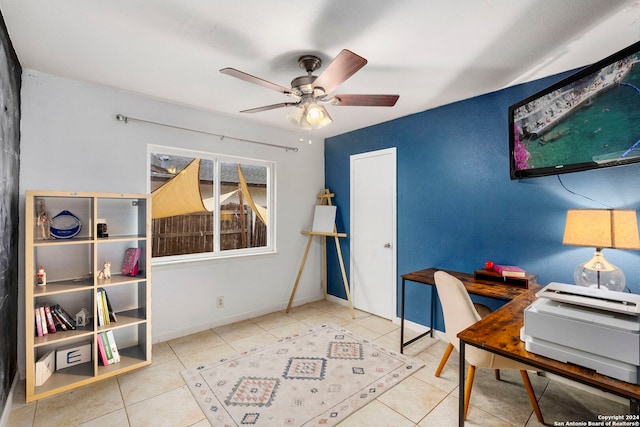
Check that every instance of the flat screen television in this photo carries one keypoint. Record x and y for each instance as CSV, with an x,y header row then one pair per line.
x,y
588,120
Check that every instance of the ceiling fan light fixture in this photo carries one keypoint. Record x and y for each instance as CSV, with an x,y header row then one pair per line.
x,y
317,116
310,91
315,113
296,116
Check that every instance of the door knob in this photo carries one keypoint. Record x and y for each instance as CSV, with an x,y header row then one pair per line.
x,y
387,245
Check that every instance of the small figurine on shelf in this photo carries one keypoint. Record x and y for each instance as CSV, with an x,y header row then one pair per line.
x,y
41,277
105,273
43,220
83,318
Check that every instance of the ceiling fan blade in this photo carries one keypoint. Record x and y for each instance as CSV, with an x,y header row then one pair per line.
x,y
270,107
365,100
255,80
343,66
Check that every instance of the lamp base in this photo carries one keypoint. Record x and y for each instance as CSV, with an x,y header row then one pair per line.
x,y
599,273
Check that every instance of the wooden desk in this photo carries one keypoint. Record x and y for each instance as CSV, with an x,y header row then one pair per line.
x,y
499,333
476,287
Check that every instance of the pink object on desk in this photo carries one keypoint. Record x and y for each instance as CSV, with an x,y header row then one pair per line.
x,y
509,270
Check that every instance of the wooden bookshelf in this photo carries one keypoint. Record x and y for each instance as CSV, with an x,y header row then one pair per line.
x,y
72,266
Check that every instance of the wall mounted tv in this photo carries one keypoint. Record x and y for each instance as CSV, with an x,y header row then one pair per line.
x,y
588,120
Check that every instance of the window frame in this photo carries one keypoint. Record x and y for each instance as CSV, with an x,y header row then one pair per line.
x,y
217,159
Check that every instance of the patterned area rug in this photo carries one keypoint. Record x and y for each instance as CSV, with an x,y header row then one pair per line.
x,y
315,378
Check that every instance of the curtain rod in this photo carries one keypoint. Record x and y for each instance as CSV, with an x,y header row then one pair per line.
x,y
126,119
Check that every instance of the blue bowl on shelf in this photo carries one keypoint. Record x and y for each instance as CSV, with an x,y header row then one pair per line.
x,y
65,225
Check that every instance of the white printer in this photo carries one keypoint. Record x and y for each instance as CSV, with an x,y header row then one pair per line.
x,y
594,328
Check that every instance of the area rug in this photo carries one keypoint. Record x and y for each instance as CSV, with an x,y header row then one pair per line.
x,y
315,378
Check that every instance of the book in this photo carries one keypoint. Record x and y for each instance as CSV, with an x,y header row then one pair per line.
x,y
43,321
112,313
60,313
101,350
60,325
107,347
99,308
112,344
509,270
105,309
64,316
50,323
38,322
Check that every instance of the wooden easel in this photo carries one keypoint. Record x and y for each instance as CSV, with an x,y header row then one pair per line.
x,y
325,199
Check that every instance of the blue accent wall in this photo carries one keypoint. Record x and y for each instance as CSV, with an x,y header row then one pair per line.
x,y
457,206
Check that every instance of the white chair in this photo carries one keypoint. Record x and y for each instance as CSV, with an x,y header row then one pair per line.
x,y
459,314
483,311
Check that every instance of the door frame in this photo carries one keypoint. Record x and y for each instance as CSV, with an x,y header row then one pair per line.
x,y
393,291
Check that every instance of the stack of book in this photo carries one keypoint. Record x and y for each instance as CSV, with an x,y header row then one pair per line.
x,y
107,348
509,271
106,315
52,318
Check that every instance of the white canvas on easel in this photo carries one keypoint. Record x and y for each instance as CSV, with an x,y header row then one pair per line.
x,y
324,225
324,219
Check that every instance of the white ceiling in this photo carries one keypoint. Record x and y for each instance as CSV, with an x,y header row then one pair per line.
x,y
430,52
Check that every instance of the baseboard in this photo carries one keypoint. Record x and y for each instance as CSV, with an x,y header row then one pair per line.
x,y
421,329
337,300
226,321
6,411
415,327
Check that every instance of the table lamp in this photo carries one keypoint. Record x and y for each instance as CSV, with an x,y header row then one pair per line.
x,y
601,228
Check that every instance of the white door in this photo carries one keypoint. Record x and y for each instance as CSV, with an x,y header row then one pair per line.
x,y
373,232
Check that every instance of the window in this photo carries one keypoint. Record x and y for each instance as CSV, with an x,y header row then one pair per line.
x,y
206,205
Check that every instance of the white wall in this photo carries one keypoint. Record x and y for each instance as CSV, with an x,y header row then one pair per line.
x,y
71,141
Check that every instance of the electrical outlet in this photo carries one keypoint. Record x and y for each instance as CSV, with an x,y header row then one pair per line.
x,y
220,302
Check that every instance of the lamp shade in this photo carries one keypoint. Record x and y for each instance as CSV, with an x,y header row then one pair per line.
x,y
602,228
317,116
297,117
309,115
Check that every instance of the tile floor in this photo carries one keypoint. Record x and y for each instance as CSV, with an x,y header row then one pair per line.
x,y
157,395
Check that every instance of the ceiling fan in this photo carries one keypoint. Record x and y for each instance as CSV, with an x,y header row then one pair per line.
x,y
313,92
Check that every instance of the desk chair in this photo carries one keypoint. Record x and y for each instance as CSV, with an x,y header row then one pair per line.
x,y
459,314
483,311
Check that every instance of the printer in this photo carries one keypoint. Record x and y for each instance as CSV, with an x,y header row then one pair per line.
x,y
593,328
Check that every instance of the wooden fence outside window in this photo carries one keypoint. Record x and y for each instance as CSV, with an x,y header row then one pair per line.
x,y
193,233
